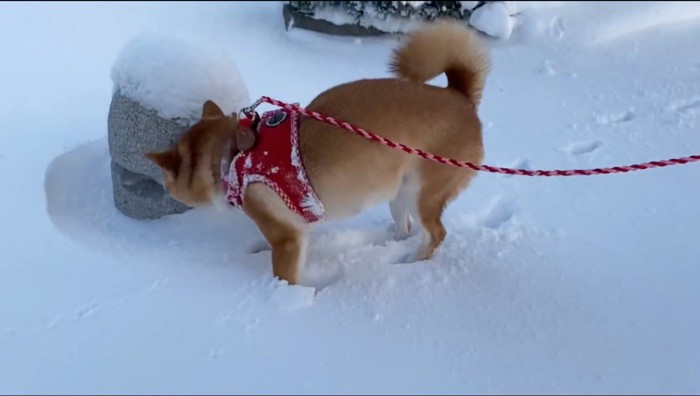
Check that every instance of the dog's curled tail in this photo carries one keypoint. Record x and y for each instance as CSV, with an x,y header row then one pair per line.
x,y
444,47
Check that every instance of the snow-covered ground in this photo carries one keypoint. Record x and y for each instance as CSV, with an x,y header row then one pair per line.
x,y
561,285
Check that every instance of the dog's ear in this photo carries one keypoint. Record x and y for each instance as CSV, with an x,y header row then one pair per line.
x,y
168,161
245,138
211,109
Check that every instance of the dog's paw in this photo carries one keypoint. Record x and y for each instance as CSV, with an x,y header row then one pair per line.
x,y
400,232
258,246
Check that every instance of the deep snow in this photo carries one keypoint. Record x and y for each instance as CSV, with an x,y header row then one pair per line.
x,y
567,285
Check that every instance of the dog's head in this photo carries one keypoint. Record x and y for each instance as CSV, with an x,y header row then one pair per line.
x,y
191,168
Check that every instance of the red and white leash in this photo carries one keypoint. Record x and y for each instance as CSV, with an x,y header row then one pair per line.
x,y
250,112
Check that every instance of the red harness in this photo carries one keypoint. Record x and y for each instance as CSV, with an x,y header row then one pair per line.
x,y
275,161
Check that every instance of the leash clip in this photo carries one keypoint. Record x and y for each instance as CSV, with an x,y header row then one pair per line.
x,y
250,113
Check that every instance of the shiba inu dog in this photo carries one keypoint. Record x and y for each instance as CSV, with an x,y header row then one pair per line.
x,y
298,171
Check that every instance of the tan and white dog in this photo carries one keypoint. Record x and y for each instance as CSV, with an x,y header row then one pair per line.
x,y
349,173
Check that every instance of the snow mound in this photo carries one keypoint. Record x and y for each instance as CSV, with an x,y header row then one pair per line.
x,y
176,77
493,19
617,20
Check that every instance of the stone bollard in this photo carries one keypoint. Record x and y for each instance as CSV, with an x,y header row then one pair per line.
x,y
160,86
134,130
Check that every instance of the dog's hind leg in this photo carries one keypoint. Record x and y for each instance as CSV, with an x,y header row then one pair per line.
x,y
403,207
441,185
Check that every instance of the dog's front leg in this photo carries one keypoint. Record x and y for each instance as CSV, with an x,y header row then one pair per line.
x,y
288,253
284,230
